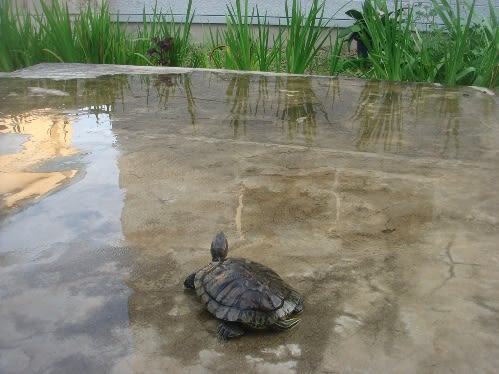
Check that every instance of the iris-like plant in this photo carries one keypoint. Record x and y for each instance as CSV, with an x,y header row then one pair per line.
x,y
20,39
58,36
245,44
454,67
371,14
461,50
101,40
239,38
387,36
471,55
306,34
336,62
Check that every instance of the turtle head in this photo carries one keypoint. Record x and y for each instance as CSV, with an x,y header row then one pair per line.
x,y
219,247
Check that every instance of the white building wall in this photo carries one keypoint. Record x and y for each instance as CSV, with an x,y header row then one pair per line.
x,y
214,11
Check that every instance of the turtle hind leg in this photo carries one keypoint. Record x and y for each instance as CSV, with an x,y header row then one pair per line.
x,y
227,330
285,324
189,281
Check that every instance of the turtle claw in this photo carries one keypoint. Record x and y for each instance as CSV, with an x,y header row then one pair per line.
x,y
299,307
227,330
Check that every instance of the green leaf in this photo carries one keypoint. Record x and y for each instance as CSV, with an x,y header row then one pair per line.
x,y
355,14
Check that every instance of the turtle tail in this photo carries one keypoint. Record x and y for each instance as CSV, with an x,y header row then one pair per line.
x,y
285,324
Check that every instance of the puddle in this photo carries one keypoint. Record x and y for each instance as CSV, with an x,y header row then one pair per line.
x,y
375,200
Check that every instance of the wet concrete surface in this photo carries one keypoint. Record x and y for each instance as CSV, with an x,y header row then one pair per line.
x,y
375,200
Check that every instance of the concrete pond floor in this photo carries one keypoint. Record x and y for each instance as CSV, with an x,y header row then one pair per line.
x,y
377,201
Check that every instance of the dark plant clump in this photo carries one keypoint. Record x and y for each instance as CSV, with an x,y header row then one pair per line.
x,y
160,55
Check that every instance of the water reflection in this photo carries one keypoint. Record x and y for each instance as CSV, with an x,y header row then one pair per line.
x,y
176,85
385,117
85,156
300,106
449,122
380,115
64,301
49,137
287,102
238,99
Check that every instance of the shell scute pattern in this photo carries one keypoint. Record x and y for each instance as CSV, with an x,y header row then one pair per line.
x,y
240,290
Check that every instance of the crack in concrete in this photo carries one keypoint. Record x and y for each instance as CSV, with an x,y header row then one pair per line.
x,y
480,302
451,263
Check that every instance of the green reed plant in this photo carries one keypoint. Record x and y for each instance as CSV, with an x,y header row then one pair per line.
x,y
144,35
336,62
455,66
101,40
266,54
306,34
491,27
19,39
58,37
471,44
485,48
388,38
238,37
9,39
488,64
463,48
245,43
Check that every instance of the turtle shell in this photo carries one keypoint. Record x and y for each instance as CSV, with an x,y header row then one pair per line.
x,y
239,290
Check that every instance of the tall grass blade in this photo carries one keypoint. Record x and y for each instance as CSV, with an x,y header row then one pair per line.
x,y
267,55
335,59
306,33
19,39
238,37
58,32
455,67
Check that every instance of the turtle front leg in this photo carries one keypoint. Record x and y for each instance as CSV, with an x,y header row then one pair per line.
x,y
228,330
189,281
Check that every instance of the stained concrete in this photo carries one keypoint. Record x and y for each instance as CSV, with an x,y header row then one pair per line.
x,y
375,200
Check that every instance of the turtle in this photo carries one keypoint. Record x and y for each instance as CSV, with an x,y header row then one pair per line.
x,y
244,294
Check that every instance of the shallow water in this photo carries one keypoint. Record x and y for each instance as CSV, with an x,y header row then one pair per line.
x,y
375,200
